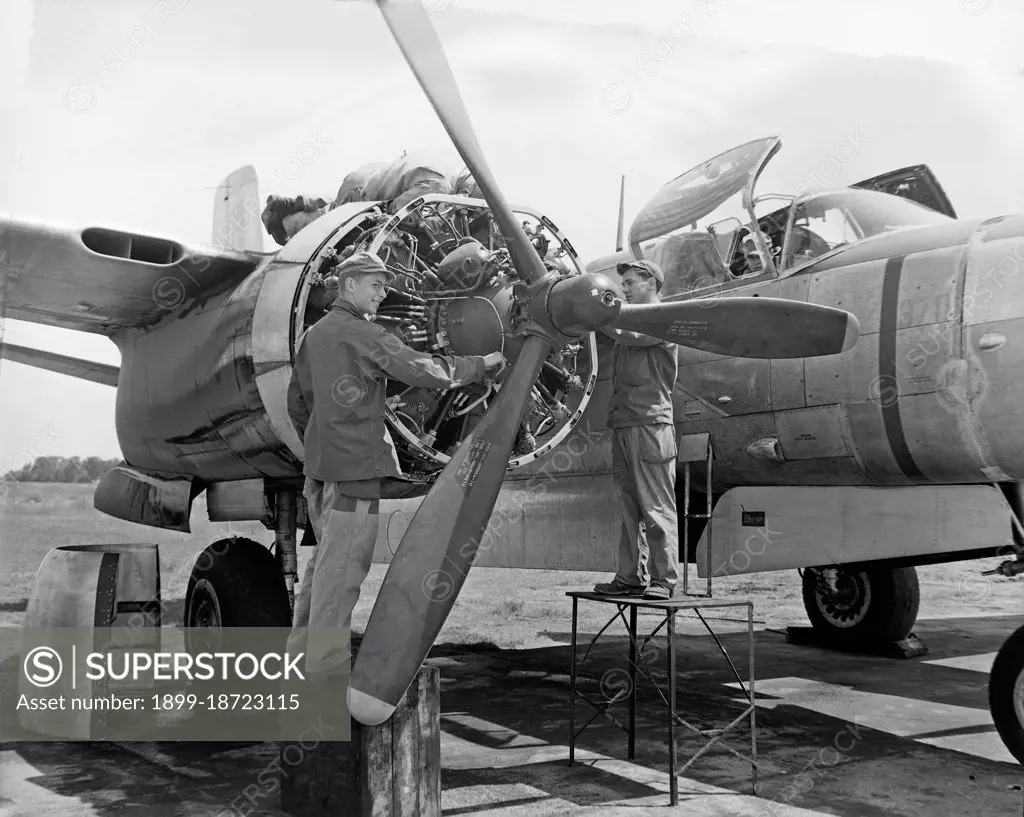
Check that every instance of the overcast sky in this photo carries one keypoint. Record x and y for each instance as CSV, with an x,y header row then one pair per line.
x,y
125,113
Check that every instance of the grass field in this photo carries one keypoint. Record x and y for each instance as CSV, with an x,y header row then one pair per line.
x,y
509,608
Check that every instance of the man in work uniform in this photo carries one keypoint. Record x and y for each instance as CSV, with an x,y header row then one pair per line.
x,y
644,447
336,402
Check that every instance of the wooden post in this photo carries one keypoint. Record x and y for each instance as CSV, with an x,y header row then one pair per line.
x,y
390,770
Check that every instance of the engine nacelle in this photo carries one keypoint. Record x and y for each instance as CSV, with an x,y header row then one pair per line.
x,y
205,395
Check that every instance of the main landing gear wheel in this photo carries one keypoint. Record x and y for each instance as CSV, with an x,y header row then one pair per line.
x,y
234,583
862,606
1006,693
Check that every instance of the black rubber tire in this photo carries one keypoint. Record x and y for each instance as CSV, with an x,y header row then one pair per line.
x,y
240,580
1006,669
895,598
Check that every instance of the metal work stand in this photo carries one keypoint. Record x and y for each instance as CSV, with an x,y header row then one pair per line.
x,y
670,608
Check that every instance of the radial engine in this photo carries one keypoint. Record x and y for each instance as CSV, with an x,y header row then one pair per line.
x,y
457,293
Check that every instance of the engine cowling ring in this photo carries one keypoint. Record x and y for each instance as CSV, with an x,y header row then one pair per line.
x,y
465,307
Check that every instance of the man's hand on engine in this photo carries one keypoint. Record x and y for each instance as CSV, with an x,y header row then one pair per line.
x,y
494,364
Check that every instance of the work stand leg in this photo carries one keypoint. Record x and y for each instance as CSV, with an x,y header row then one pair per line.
x,y
629,695
632,683
673,780
747,689
572,688
753,697
711,737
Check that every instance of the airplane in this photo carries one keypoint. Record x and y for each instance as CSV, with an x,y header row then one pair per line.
x,y
854,469
852,462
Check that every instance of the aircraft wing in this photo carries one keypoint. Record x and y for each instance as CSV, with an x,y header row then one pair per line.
x,y
102,373
106,280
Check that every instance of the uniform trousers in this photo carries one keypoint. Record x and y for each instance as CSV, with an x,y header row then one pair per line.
x,y
346,531
644,466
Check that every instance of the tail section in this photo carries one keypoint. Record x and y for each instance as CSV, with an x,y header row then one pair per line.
x,y
607,264
236,212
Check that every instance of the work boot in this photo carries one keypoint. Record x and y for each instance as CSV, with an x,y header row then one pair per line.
x,y
617,587
658,592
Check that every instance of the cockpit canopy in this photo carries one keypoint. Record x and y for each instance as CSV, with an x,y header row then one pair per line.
x,y
820,223
682,228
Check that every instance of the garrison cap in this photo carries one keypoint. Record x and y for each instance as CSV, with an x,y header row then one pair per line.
x,y
363,263
649,267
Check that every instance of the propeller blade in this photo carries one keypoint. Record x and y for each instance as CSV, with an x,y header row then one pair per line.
x,y
438,549
745,326
411,27
440,545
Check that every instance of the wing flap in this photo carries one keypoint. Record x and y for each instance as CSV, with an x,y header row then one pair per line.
x,y
106,280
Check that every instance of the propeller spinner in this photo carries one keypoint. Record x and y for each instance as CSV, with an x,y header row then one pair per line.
x,y
441,542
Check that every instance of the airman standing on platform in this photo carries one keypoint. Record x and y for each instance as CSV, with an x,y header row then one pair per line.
x,y
644,448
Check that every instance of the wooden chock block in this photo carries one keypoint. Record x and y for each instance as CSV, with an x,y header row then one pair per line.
x,y
909,647
389,770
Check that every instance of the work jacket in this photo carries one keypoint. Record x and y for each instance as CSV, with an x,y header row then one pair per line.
x,y
338,386
644,371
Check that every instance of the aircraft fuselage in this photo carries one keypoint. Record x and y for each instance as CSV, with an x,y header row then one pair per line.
x,y
930,393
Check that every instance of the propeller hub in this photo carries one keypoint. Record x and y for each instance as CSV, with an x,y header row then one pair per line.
x,y
583,303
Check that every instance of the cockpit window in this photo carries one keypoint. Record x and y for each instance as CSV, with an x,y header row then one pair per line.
x,y
820,224
819,229
831,220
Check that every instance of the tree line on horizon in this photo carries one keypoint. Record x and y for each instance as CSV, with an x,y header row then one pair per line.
x,y
62,469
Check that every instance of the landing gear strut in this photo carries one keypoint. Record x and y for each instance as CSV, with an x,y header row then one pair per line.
x,y
284,541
